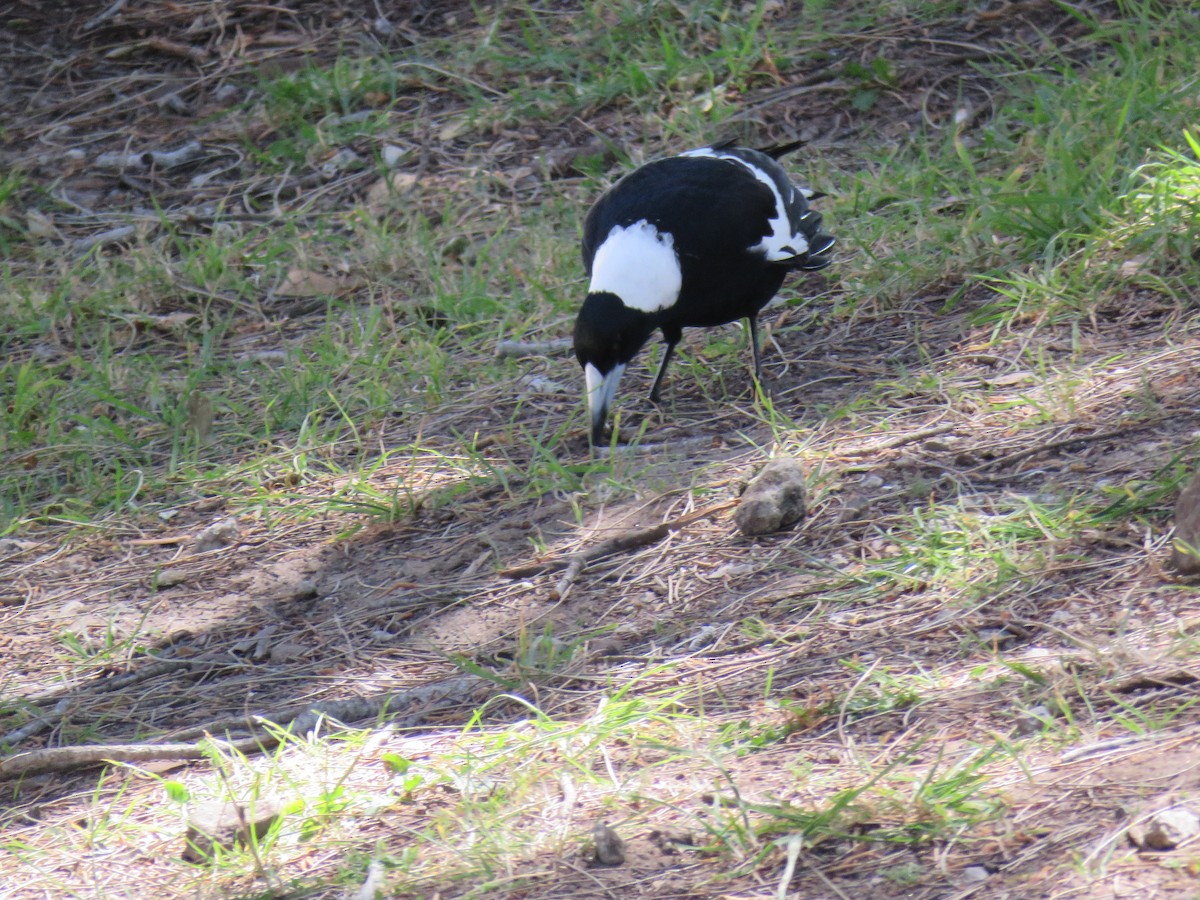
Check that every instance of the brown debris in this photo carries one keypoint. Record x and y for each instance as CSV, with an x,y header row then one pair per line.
x,y
1185,549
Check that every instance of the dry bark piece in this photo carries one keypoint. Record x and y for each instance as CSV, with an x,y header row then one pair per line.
x,y
1185,555
774,500
303,283
225,824
610,849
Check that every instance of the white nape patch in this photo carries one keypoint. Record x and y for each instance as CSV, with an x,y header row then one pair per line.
x,y
781,243
638,264
601,388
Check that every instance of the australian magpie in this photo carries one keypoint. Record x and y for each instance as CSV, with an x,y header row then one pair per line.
x,y
700,239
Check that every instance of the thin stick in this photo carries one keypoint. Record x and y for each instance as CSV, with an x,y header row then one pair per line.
x,y
628,540
426,698
100,18
1065,442
901,439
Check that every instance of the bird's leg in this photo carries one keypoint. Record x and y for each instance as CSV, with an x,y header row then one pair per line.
x,y
662,370
752,319
672,335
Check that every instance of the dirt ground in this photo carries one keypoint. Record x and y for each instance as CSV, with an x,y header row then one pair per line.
x,y
281,621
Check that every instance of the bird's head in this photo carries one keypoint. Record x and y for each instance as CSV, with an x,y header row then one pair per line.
x,y
608,334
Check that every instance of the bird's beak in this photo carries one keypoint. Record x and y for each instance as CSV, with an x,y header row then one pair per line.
x,y
601,388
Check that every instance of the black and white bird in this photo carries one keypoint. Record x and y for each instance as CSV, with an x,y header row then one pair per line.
x,y
695,240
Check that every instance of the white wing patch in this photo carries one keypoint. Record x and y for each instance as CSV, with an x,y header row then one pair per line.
x,y
638,264
781,243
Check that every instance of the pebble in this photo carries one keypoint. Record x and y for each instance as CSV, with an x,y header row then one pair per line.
x,y
1165,829
218,534
610,849
1033,720
170,578
218,823
774,500
975,874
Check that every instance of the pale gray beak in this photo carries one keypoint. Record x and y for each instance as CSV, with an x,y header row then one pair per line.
x,y
601,388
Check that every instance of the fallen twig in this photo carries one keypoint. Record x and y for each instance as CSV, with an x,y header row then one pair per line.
x,y
629,540
100,18
198,55
1050,446
112,236
36,726
65,759
143,159
298,720
900,440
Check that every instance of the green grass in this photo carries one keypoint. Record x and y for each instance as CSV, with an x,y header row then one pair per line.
x,y
1046,231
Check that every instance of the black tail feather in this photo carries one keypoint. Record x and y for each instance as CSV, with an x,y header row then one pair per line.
x,y
780,150
775,151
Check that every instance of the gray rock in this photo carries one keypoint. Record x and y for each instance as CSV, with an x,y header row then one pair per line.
x,y
217,823
168,578
1033,720
975,874
610,849
1165,829
218,534
774,500
1185,554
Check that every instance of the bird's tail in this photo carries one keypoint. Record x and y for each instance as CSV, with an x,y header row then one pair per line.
x,y
775,151
780,150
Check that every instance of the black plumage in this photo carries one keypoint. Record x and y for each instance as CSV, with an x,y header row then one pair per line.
x,y
696,240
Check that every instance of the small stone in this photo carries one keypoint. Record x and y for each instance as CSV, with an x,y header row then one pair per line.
x,y
1033,720
224,824
774,500
996,638
304,589
168,578
341,161
1185,553
218,534
391,155
1165,829
610,849
287,651
975,874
